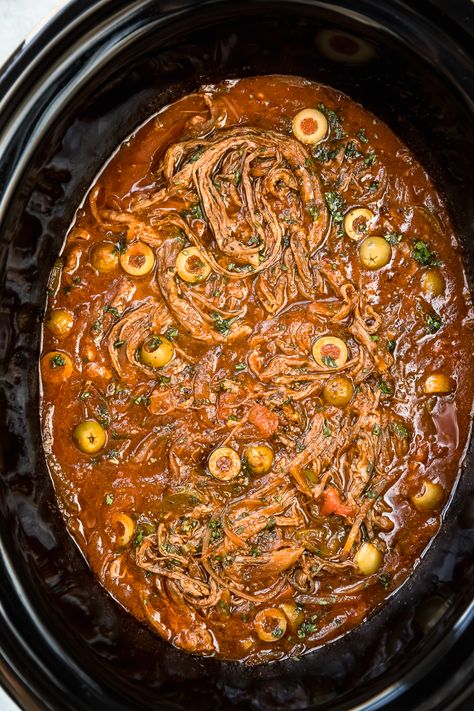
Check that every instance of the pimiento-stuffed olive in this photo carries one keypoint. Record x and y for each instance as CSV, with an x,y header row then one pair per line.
x,y
138,259
330,352
357,222
310,126
191,266
270,624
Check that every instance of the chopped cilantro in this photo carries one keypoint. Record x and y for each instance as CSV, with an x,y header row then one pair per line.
x,y
237,177
385,388
193,157
336,206
216,529
399,429
323,154
271,523
329,362
194,211
57,361
112,310
141,400
171,334
121,246
139,537
222,325
391,345
326,429
334,121
361,136
153,343
85,395
240,366
351,151
424,255
370,159
393,237
385,580
376,430
165,379
434,322
277,632
118,344
307,627
109,498
374,186
313,211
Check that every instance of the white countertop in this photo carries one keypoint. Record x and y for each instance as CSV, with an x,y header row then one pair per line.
x,y
18,19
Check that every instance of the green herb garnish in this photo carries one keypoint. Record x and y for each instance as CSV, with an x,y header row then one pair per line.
x,y
336,206
434,322
329,362
422,254
57,361
222,325
334,121
385,388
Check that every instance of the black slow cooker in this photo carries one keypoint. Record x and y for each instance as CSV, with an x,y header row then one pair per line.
x,y
67,98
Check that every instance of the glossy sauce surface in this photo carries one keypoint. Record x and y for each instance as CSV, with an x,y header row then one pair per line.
x,y
247,488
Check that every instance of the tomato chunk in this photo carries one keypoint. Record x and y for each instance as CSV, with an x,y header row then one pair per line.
x,y
264,419
332,504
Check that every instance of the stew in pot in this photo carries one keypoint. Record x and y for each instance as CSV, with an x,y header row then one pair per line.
x,y
257,380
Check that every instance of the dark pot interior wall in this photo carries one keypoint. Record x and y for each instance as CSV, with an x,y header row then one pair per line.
x,y
68,625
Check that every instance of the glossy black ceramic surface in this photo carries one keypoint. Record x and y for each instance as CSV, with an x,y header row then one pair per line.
x,y
97,71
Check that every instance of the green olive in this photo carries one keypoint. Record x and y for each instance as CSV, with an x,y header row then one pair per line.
x,y
104,257
156,351
124,527
259,458
224,463
89,436
432,282
375,252
437,384
270,624
138,259
293,613
356,222
330,352
430,497
310,126
338,391
368,559
191,266
56,367
60,322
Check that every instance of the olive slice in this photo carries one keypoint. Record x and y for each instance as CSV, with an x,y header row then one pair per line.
x,y
310,126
